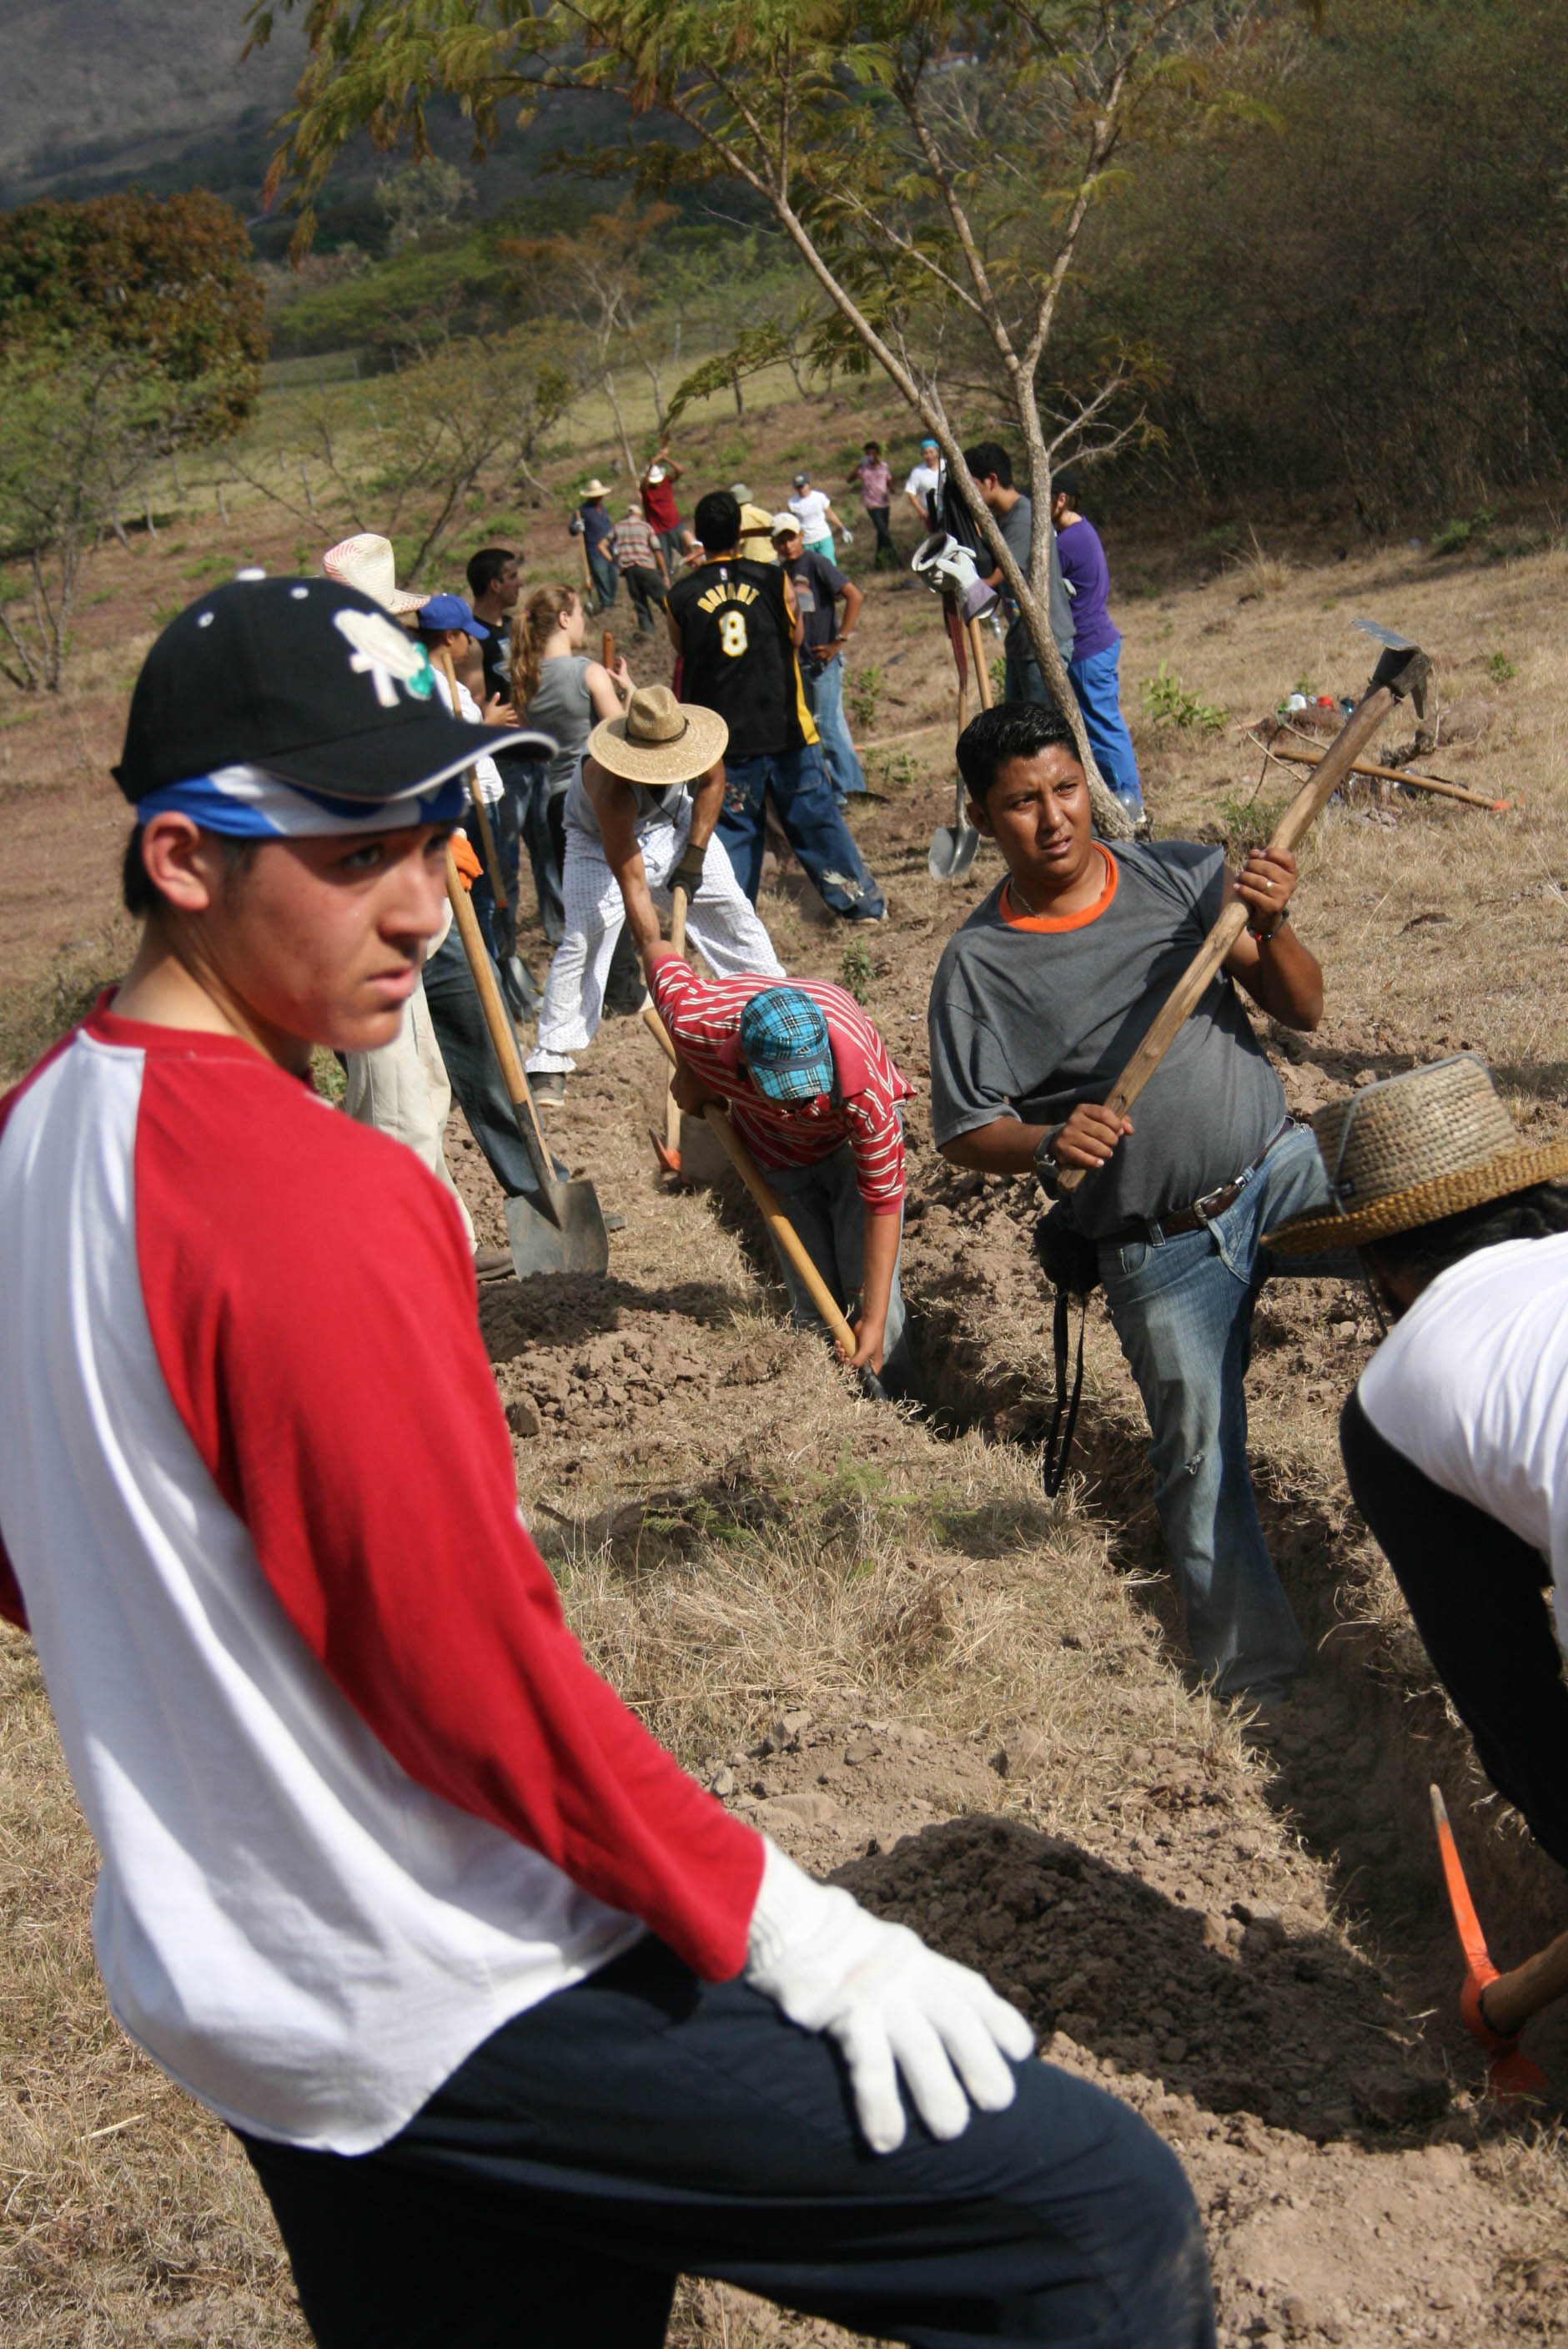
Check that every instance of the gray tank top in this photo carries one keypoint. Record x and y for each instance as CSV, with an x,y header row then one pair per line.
x,y
561,708
652,805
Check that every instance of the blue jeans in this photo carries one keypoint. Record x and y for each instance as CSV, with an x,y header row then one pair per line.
x,y
824,1204
602,564
1097,686
1183,1309
646,2124
813,826
843,765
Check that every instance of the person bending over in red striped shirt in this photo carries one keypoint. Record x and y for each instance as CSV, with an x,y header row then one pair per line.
x,y
813,1093
514,2022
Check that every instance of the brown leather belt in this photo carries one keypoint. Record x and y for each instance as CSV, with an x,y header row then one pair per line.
x,y
1201,1211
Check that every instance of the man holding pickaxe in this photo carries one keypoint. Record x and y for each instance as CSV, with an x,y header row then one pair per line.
x,y
1037,1002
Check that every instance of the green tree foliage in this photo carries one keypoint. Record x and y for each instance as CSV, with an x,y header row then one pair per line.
x,y
165,283
78,429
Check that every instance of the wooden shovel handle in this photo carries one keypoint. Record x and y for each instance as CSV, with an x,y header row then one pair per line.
x,y
982,673
487,837
766,1198
504,1039
1298,819
609,651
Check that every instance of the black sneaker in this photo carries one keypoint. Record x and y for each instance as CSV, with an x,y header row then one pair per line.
x,y
549,1089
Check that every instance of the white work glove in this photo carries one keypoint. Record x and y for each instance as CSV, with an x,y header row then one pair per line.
x,y
890,2004
849,535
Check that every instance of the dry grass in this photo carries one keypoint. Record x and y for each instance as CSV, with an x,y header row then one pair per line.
x,y
1254,573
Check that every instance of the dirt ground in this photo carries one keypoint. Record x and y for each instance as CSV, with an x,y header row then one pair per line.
x,y
865,1628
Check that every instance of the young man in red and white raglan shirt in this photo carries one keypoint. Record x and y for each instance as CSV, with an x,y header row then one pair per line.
x,y
514,2022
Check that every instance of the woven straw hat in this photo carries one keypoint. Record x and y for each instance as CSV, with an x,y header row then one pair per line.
x,y
1412,1150
367,563
659,739
595,489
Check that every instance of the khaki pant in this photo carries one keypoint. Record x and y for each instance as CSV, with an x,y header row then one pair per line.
x,y
401,1089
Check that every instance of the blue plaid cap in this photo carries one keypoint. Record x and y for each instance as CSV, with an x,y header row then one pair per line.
x,y
784,1038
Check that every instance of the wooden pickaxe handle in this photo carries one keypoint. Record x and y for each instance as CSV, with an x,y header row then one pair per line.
x,y
1184,996
487,837
766,1198
1435,783
678,940
608,649
982,670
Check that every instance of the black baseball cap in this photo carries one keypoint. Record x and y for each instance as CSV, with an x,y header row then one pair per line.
x,y
306,677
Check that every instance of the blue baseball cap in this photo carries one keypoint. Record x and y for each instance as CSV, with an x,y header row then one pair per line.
x,y
784,1038
451,612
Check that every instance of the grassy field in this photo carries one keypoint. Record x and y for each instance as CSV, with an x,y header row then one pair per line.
x,y
744,1544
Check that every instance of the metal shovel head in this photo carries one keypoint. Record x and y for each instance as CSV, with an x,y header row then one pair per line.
x,y
953,849
577,1243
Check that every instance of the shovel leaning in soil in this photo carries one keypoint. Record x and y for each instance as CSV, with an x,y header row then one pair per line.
x,y
783,1231
565,1232
516,977
1511,1998
956,846
1400,674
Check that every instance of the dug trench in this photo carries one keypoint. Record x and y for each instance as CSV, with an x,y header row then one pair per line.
x,y
868,1630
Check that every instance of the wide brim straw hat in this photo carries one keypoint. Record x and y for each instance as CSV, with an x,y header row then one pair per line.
x,y
658,740
368,564
1410,1151
595,489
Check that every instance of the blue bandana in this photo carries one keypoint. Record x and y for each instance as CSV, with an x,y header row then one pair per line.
x,y
249,803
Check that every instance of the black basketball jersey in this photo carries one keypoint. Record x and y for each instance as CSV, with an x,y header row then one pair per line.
x,y
737,656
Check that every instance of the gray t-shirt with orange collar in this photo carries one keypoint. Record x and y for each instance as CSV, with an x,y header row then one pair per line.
x,y
1030,1016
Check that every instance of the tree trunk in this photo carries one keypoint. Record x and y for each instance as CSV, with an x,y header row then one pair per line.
x,y
739,397
627,458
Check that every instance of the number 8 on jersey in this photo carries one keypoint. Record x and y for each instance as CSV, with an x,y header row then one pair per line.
x,y
732,633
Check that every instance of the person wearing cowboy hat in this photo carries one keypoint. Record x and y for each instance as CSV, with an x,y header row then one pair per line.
x,y
641,814
657,491
1454,1438
598,529
513,2020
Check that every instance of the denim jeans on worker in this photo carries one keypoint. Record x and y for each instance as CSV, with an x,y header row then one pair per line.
x,y
1183,1309
812,824
880,520
543,841
824,1204
470,1065
1098,685
828,708
603,566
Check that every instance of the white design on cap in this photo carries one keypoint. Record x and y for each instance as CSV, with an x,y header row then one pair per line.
x,y
388,657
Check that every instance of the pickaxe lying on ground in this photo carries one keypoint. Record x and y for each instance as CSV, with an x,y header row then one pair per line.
x,y
1496,2007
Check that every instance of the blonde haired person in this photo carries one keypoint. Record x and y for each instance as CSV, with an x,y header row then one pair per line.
x,y
552,674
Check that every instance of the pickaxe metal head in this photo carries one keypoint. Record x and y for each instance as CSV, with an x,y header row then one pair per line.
x,y
1406,673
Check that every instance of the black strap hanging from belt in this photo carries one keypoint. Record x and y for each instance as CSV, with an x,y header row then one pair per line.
x,y
1065,1409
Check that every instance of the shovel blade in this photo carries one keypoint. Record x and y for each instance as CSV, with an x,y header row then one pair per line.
x,y
574,1241
952,851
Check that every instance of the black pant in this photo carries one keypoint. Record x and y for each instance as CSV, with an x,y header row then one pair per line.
x,y
646,590
880,521
470,1065
643,2126
1474,1589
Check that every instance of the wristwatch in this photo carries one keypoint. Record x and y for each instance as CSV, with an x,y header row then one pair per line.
x,y
1045,1168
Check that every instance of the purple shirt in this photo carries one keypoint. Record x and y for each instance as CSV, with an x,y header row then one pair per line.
x,y
1085,569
